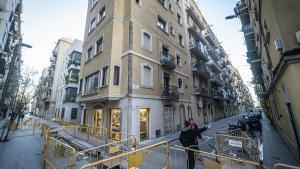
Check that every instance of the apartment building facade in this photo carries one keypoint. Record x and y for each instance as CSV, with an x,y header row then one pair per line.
x,y
66,106
136,69
10,36
272,36
43,95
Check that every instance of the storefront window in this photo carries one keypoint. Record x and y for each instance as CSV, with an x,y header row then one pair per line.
x,y
144,124
116,123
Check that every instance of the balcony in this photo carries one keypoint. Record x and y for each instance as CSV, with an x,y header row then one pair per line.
x,y
167,60
196,18
198,50
195,32
169,92
210,37
248,29
200,69
71,79
68,99
201,91
214,66
46,99
212,52
75,63
215,80
260,90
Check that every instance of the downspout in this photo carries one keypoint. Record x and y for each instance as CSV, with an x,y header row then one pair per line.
x,y
129,76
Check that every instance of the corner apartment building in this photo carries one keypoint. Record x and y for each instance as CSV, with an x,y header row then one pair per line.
x,y
272,35
42,105
66,107
10,35
136,70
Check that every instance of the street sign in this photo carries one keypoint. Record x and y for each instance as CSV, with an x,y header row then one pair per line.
x,y
235,143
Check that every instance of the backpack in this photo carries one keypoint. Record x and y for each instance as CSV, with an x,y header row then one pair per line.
x,y
184,141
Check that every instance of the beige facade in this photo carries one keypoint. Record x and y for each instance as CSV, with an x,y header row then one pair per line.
x,y
136,70
271,28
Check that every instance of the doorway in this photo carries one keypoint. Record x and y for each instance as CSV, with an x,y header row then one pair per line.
x,y
62,116
182,116
85,117
166,82
115,124
98,120
168,120
144,124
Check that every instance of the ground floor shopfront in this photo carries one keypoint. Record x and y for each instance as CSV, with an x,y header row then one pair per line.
x,y
145,118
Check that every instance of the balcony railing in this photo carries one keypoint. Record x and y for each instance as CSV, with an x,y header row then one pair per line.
x,y
214,66
71,79
247,29
196,18
220,95
167,60
215,80
202,91
212,52
199,50
200,69
260,90
169,92
73,62
195,32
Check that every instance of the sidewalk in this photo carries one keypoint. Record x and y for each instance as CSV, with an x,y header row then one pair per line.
x,y
22,151
275,150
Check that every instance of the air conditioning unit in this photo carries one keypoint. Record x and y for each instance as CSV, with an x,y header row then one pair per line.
x,y
278,44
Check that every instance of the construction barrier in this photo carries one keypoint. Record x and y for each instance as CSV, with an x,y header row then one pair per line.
x,y
91,155
58,155
237,144
179,160
155,156
284,166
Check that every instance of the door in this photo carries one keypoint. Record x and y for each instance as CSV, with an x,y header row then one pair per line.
x,y
144,124
168,120
115,121
166,83
62,116
182,115
98,120
84,120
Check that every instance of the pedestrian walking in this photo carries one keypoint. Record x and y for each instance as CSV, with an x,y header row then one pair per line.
x,y
188,138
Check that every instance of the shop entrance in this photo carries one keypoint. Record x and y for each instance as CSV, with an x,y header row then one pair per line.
x,y
115,124
144,124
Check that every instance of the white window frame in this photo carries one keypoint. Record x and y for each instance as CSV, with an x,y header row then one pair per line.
x,y
166,24
182,38
87,54
100,18
95,51
172,32
142,76
91,27
93,3
139,3
178,54
143,40
107,77
180,90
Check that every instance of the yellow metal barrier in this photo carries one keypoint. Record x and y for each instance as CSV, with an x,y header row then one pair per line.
x,y
155,156
58,155
179,160
236,143
91,155
284,166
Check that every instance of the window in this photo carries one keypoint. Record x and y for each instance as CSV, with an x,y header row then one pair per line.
x,y
162,24
178,59
180,84
139,2
172,30
146,41
165,51
105,76
90,53
92,24
102,14
147,76
74,113
171,7
116,75
180,38
162,2
91,83
94,2
178,18
99,45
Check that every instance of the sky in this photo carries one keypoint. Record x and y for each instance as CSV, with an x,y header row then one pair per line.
x,y
45,21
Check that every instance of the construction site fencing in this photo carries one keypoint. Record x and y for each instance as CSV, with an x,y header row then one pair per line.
x,y
58,154
206,160
155,156
109,150
285,166
237,144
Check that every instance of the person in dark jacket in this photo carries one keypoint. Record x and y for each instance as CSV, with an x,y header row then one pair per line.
x,y
188,138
